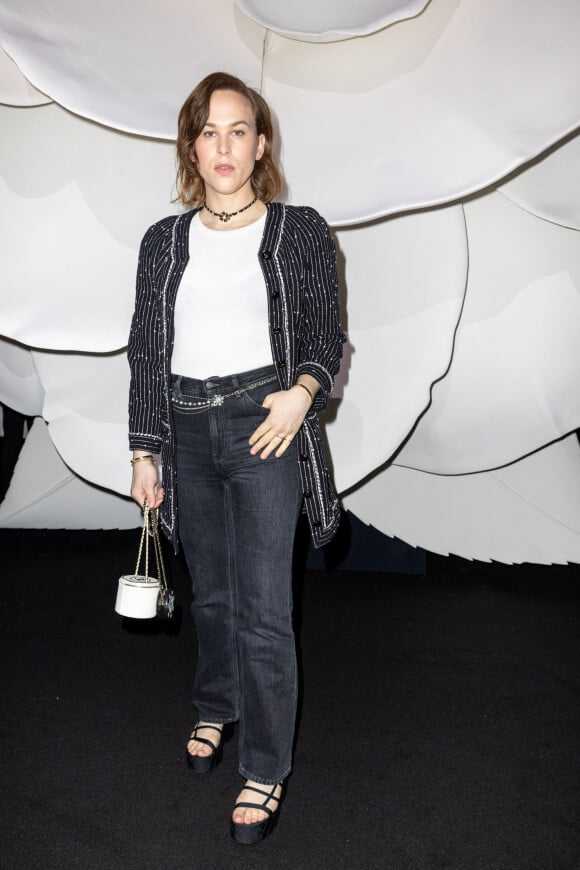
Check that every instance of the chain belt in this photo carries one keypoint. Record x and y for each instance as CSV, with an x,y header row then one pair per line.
x,y
216,401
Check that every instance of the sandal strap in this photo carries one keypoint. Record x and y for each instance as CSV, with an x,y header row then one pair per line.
x,y
201,728
204,739
269,795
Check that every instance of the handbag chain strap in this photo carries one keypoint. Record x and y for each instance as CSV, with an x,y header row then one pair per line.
x,y
151,530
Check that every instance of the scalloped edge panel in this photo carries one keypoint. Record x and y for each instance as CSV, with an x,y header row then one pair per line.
x,y
514,382
329,20
513,515
133,76
416,116
15,89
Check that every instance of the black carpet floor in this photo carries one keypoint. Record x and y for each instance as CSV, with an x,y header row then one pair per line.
x,y
438,726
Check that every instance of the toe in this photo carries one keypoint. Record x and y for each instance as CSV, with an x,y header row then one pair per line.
x,y
198,749
194,747
251,815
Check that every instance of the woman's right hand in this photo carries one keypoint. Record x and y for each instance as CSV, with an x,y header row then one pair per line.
x,y
145,483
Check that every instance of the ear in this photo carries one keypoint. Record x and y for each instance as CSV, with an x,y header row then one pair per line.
x,y
261,146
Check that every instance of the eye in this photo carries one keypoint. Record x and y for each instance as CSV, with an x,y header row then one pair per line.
x,y
238,132
208,134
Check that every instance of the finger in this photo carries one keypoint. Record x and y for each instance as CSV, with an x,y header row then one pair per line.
x,y
269,440
261,440
267,445
279,443
286,442
270,446
258,433
282,448
151,495
139,493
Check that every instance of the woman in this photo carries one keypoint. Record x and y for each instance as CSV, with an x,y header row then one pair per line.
x,y
233,348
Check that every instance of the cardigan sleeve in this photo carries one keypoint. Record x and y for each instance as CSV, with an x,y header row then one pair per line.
x,y
144,353
322,338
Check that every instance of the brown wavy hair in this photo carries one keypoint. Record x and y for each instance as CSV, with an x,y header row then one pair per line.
x,y
266,177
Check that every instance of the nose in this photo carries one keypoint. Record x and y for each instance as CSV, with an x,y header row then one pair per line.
x,y
223,144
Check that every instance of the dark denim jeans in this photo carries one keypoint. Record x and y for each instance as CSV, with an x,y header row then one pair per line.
x,y
237,520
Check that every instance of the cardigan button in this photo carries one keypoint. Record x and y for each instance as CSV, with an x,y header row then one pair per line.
x,y
307,494
266,255
276,330
281,363
304,457
275,294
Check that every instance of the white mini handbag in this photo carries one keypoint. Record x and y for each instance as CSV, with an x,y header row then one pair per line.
x,y
140,596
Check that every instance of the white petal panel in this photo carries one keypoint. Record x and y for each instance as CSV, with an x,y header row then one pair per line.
x,y
72,215
427,111
85,406
45,494
15,90
528,512
551,188
129,65
20,387
514,383
329,20
405,280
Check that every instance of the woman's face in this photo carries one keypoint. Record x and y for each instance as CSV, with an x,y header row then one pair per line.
x,y
228,146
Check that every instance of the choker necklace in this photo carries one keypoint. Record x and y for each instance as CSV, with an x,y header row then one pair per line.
x,y
225,216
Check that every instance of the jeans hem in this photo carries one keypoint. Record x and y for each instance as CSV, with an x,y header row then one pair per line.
x,y
247,775
211,721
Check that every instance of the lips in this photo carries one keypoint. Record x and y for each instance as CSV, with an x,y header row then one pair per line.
x,y
224,168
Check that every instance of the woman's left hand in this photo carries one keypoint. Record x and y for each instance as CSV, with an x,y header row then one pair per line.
x,y
288,408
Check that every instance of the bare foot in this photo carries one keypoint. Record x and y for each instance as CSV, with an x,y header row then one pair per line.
x,y
208,732
247,816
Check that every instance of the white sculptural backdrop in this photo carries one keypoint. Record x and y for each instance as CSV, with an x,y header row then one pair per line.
x,y
436,137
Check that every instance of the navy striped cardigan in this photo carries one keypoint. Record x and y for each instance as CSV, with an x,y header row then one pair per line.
x,y
298,260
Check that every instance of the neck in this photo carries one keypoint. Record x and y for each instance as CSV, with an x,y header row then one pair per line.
x,y
231,212
229,202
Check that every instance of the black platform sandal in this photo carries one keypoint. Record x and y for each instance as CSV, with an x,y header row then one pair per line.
x,y
249,834
205,763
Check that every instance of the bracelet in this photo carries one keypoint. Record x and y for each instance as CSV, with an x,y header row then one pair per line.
x,y
304,387
148,456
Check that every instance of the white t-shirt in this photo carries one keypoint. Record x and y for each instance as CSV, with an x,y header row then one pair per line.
x,y
221,310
